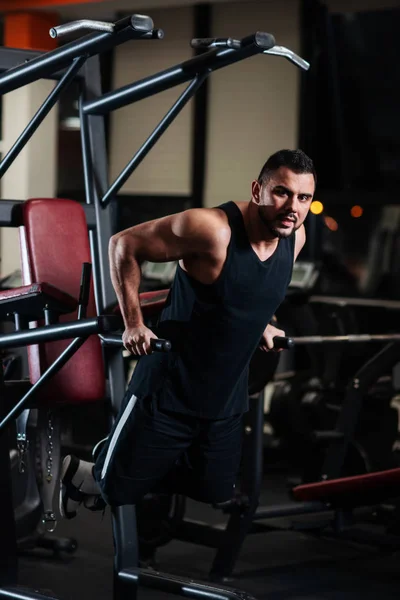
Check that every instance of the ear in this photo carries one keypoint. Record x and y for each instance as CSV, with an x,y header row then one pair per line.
x,y
256,192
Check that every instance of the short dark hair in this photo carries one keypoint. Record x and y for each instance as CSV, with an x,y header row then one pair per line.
x,y
295,160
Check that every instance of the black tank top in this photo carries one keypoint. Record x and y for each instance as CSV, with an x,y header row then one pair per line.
x,y
215,329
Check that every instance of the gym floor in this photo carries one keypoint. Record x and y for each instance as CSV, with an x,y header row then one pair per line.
x,y
277,565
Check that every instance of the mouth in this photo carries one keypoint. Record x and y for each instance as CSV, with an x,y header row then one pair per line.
x,y
286,222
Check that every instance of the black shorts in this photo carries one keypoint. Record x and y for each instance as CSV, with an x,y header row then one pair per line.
x,y
168,451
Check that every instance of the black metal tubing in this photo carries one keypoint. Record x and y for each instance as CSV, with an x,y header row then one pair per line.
x,y
180,586
48,374
154,136
362,302
96,152
352,405
10,215
241,517
41,114
14,57
60,331
8,546
186,71
86,153
13,593
84,290
110,339
126,550
46,64
202,29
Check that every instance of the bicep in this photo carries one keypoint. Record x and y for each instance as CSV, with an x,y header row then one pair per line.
x,y
167,239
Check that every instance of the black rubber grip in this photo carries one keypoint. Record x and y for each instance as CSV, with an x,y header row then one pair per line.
x,y
264,40
207,43
160,345
85,284
142,23
286,343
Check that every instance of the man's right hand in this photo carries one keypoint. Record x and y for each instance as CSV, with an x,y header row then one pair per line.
x,y
137,340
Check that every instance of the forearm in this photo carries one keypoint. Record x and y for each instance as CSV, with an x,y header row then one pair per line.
x,y
125,276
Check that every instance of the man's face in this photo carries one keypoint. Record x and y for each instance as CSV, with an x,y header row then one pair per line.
x,y
284,200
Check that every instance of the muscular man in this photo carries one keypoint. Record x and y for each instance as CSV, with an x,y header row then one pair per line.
x,y
180,421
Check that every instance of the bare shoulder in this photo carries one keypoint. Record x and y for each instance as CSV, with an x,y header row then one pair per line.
x,y
208,224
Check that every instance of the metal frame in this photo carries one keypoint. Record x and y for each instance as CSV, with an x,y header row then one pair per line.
x,y
100,230
93,107
195,70
41,114
46,65
127,578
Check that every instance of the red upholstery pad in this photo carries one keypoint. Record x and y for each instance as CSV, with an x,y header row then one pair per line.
x,y
357,490
54,243
151,303
30,301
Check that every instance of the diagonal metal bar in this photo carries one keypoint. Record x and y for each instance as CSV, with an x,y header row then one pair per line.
x,y
153,138
41,114
50,372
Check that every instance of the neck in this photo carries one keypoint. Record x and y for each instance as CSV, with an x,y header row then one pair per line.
x,y
258,232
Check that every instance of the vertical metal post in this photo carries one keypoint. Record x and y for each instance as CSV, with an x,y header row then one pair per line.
x,y
96,170
202,29
99,186
94,140
241,518
8,545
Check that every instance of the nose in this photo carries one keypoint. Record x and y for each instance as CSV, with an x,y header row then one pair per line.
x,y
292,203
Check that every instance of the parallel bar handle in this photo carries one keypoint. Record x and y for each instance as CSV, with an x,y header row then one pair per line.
x,y
290,55
141,23
137,22
66,28
208,43
263,40
289,342
285,343
158,345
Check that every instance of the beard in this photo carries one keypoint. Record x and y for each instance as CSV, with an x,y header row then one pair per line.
x,y
275,226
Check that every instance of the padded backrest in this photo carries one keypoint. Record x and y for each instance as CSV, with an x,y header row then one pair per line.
x,y
54,244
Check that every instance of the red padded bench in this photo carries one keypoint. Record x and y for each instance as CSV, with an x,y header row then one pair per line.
x,y
357,490
54,243
30,302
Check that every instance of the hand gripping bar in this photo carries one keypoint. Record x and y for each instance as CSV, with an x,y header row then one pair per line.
x,y
157,345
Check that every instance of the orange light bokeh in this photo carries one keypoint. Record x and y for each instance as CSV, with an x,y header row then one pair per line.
x,y
356,211
316,207
331,223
